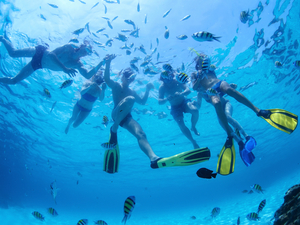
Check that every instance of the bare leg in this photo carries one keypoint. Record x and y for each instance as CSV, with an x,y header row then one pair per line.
x,y
80,118
136,130
75,113
225,87
17,53
23,74
121,111
186,131
191,108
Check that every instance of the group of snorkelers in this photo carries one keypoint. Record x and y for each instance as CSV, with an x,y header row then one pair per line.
x,y
204,80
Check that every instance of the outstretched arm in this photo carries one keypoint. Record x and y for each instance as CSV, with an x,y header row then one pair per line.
x,y
102,92
186,91
108,58
143,100
88,74
55,60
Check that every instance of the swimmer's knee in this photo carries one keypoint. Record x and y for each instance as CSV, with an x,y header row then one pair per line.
x,y
13,81
141,135
216,102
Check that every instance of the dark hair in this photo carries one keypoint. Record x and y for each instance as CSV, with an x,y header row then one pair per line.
x,y
98,77
127,72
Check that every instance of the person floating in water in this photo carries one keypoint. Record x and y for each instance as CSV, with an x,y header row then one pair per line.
x,y
124,99
176,93
90,92
65,58
205,80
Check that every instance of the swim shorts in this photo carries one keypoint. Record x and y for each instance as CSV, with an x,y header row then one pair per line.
x,y
36,61
178,110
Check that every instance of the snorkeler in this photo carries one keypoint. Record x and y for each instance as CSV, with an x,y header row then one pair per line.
x,y
176,93
90,92
65,58
124,99
205,80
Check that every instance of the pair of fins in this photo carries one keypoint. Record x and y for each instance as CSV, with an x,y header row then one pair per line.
x,y
281,119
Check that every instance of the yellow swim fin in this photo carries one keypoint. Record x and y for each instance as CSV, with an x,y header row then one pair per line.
x,y
281,119
183,159
226,159
111,160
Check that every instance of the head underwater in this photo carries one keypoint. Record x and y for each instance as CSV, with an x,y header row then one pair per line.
x,y
87,47
165,75
98,78
129,74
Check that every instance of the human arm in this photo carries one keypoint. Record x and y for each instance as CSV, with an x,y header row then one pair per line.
x,y
88,74
110,83
161,95
186,91
143,100
196,80
102,92
53,57
233,85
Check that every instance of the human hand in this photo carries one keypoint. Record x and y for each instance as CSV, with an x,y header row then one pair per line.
x,y
71,72
109,57
234,86
149,86
104,86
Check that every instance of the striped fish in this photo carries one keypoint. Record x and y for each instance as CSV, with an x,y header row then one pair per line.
x,y
297,63
47,92
215,212
167,67
206,64
66,84
38,216
128,208
244,16
278,64
100,222
253,216
257,188
52,211
211,91
107,145
182,78
83,222
204,36
261,205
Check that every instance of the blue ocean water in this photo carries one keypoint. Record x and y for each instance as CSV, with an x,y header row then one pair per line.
x,y
35,151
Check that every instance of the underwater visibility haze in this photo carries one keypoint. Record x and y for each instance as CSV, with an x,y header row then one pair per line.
x,y
42,167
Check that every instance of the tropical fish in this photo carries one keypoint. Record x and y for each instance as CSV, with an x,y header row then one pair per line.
x,y
114,18
79,31
167,33
102,29
122,37
253,216
182,37
138,7
134,67
157,57
168,67
193,217
74,40
204,36
52,211
82,1
87,26
95,5
66,84
166,13
47,92
100,222
244,16
206,173
53,6
83,222
212,67
128,52
206,64
109,42
238,222
109,24
128,208
297,63
257,188
157,41
250,192
278,64
211,92
38,216
182,78
54,104
54,190
185,18
41,15
107,145
105,9
130,22
261,205
215,212
145,18
105,121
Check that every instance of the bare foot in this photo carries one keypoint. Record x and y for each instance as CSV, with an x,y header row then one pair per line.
x,y
195,131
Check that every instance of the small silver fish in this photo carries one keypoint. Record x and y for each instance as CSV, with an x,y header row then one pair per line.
x,y
124,47
74,40
134,60
109,24
185,18
157,58
53,6
102,29
204,36
109,42
182,37
54,104
138,7
87,26
95,5
122,37
41,15
131,45
134,67
126,30
105,9
82,1
153,51
166,13
157,41
130,22
79,31
135,33
54,190
128,52
145,63
106,18
167,33
109,1
145,18
106,35
114,18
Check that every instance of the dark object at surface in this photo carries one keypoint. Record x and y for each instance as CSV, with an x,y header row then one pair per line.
x,y
206,173
289,211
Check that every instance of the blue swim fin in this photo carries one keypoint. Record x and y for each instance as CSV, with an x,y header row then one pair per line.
x,y
246,150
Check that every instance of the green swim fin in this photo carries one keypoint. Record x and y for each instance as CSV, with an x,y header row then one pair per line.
x,y
281,119
226,159
183,159
111,160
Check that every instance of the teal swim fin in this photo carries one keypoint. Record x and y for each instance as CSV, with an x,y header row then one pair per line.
x,y
281,119
226,159
183,159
